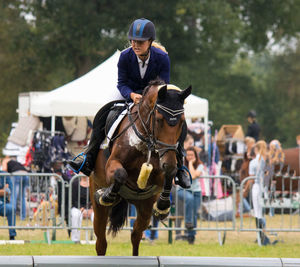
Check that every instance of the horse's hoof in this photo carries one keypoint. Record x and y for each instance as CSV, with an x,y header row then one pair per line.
x,y
104,198
160,214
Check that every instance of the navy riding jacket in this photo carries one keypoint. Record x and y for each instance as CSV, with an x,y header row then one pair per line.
x,y
129,77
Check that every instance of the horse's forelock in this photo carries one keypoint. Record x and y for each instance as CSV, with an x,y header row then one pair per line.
x,y
155,82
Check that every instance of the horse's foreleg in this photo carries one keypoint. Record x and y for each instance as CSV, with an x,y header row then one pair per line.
x,y
115,172
116,176
144,212
162,206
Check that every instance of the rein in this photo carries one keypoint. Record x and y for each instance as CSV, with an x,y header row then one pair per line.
x,y
153,144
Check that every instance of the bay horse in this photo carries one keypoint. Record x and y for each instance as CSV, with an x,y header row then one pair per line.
x,y
283,174
147,136
283,178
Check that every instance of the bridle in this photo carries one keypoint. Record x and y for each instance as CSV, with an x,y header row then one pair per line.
x,y
153,144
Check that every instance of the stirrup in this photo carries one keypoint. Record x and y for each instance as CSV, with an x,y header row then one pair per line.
x,y
184,168
82,164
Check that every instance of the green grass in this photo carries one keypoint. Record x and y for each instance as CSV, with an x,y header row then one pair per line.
x,y
159,249
238,244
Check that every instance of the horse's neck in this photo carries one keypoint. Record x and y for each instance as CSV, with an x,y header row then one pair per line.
x,y
144,113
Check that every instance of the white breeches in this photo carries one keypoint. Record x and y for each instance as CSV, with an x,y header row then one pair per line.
x,y
257,200
76,219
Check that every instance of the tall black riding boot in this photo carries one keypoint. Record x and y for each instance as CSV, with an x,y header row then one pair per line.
x,y
182,177
85,162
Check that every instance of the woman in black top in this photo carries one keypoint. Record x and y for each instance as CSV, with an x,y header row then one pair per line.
x,y
81,206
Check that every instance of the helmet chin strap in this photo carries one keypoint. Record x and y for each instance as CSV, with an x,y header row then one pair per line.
x,y
145,56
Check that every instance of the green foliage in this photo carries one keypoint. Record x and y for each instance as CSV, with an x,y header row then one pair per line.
x,y
217,46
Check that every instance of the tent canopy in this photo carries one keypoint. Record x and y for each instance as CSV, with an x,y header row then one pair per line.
x,y
87,94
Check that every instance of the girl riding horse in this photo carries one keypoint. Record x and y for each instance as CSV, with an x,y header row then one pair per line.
x,y
137,66
147,141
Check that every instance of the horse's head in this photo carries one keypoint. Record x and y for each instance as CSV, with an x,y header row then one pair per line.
x,y
166,118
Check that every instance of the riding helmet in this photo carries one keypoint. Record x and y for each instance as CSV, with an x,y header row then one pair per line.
x,y
141,30
251,114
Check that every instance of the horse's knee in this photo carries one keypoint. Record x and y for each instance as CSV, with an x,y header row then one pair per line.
x,y
120,175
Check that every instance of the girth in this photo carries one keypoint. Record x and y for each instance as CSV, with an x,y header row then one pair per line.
x,y
130,194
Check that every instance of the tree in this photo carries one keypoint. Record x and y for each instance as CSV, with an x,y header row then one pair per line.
x,y
208,42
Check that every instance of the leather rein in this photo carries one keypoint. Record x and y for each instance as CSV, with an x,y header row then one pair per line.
x,y
153,144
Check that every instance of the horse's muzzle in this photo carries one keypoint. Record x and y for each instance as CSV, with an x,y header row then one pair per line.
x,y
169,169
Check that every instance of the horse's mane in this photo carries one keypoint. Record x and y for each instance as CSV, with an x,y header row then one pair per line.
x,y
155,82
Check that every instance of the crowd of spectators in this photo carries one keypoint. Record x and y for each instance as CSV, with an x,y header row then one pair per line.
x,y
188,204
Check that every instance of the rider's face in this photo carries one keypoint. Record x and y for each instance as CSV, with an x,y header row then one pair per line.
x,y
140,47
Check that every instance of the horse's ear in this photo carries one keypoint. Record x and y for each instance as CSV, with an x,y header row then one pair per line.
x,y
185,93
162,92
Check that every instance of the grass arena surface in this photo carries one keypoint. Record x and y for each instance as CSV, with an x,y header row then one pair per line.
x,y
238,244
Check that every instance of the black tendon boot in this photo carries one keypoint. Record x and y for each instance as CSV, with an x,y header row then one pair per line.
x,y
109,196
182,177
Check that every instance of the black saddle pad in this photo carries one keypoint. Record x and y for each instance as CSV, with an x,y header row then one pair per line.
x,y
113,114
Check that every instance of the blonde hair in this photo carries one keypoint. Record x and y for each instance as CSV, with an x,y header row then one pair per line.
x,y
249,140
155,44
275,154
159,46
261,146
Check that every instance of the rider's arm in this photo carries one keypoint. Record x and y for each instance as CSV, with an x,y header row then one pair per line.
x,y
165,68
124,89
194,172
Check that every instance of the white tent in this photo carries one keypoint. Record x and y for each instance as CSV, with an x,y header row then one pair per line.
x,y
87,94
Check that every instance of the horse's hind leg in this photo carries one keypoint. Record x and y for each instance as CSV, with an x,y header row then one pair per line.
x,y
100,221
144,212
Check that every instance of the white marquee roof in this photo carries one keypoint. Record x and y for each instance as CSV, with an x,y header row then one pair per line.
x,y
87,94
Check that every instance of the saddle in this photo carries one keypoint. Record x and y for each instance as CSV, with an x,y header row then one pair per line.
x,y
115,116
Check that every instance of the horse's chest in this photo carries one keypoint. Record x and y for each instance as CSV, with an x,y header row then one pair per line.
x,y
135,141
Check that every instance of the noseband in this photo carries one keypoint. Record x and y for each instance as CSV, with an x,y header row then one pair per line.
x,y
153,144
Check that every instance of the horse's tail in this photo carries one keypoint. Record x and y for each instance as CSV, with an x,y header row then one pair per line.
x,y
118,217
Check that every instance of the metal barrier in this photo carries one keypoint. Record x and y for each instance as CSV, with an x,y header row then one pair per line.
x,y
47,207
280,208
35,195
46,191
45,261
41,190
212,215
